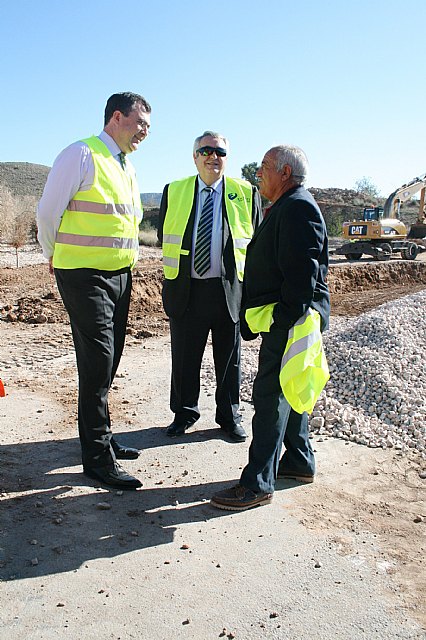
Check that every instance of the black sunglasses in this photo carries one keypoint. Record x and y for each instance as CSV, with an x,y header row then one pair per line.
x,y
209,151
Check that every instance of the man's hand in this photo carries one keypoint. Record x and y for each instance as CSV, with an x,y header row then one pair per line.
x,y
51,265
246,333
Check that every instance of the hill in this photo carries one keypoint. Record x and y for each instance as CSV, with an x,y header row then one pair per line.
x,y
23,178
337,205
151,200
28,179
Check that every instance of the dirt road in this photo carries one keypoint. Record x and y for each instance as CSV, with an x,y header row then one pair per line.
x,y
342,558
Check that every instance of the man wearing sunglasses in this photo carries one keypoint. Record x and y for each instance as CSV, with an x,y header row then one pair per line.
x,y
206,223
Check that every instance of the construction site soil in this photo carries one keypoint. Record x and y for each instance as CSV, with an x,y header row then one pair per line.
x,y
29,295
360,526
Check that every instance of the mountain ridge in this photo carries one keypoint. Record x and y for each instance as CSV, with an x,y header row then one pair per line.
x,y
26,178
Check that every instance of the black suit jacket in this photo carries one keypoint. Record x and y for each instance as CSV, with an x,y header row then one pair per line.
x,y
176,292
287,261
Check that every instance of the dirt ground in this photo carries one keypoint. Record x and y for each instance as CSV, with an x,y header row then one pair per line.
x,y
78,561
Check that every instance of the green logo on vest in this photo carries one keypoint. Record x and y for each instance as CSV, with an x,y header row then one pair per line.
x,y
232,196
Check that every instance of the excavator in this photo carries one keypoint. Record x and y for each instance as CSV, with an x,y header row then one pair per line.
x,y
381,233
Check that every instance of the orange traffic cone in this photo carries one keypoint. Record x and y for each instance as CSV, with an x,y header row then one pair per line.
x,y
2,391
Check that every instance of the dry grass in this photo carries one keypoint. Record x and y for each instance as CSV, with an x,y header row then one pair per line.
x,y
148,237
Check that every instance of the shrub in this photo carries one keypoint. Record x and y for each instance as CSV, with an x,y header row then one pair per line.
x,y
148,238
17,218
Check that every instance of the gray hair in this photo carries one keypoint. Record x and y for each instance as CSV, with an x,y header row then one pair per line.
x,y
212,134
296,159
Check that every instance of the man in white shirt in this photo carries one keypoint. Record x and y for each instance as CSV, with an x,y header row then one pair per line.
x,y
88,220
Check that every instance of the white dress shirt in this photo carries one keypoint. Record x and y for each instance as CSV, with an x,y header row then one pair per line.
x,y
215,270
72,171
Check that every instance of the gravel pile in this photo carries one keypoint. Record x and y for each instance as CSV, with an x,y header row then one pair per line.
x,y
377,392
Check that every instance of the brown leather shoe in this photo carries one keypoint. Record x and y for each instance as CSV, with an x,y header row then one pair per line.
x,y
239,498
306,478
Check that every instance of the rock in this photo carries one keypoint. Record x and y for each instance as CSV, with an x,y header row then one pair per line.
x,y
317,423
103,506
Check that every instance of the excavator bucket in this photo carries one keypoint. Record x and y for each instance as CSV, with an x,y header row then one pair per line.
x,y
418,230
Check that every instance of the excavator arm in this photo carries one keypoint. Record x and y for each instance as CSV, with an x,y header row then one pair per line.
x,y
394,201
404,193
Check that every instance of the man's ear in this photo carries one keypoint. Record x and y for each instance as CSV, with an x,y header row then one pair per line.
x,y
116,116
286,174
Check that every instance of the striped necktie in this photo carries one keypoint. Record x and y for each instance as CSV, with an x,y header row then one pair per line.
x,y
204,235
123,161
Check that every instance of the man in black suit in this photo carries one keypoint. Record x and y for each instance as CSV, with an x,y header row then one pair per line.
x,y
286,268
206,223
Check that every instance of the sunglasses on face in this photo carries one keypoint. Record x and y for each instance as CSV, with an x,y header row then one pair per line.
x,y
209,151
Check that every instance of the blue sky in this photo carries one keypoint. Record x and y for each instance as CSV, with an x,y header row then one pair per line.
x,y
343,80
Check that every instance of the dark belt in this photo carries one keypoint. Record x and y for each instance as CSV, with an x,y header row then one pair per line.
x,y
206,280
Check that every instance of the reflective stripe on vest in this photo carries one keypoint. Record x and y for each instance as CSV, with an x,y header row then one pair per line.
x,y
108,209
180,198
90,241
100,227
304,370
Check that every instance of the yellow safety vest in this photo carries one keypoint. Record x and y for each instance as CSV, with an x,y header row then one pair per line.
x,y
304,369
100,227
238,203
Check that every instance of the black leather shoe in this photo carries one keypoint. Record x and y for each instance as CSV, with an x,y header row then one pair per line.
x,y
114,476
175,429
124,453
235,432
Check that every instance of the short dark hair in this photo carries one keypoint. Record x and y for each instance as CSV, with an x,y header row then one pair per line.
x,y
124,102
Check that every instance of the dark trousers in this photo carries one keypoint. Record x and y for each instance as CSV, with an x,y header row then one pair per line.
x,y
207,311
274,422
298,454
98,304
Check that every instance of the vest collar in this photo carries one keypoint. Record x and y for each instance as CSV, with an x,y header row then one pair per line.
x,y
110,143
216,186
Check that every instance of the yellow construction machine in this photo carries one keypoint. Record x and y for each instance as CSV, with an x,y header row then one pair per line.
x,y
381,233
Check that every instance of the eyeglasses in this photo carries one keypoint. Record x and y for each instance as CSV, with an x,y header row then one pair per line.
x,y
209,151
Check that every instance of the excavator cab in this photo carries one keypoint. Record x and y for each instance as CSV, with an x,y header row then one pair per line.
x,y
372,213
